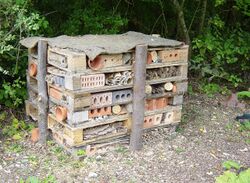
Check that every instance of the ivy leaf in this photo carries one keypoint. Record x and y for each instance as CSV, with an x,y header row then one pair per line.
x,y
231,164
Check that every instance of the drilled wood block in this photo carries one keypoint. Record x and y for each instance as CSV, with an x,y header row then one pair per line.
x,y
67,59
101,99
105,61
121,96
105,111
169,55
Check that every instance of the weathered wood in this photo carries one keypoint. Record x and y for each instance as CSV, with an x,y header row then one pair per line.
x,y
68,59
138,97
160,111
42,91
93,123
31,110
75,137
105,61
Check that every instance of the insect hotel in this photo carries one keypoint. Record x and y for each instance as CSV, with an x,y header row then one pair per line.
x,y
95,90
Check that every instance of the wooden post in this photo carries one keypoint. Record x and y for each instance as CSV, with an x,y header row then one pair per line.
x,y
138,97
42,91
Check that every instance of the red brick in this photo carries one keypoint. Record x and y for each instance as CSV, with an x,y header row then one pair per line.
x,y
105,111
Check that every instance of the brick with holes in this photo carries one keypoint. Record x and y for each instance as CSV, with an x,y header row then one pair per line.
x,y
121,96
101,99
105,111
169,55
92,81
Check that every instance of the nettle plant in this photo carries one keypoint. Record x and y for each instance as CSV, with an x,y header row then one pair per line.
x,y
16,21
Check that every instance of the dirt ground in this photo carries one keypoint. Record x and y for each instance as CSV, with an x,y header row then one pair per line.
x,y
194,153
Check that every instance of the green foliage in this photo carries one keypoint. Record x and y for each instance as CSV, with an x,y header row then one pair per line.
x,y
212,88
12,94
245,126
16,129
231,164
33,179
17,20
222,55
243,94
232,177
81,152
93,19
243,6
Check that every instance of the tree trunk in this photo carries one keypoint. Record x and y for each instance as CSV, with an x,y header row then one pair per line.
x,y
181,22
203,16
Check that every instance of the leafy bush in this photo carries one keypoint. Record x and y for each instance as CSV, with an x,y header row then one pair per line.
x,y
16,128
232,177
17,20
222,51
243,94
222,55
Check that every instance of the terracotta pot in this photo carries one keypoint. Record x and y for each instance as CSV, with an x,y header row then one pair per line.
x,y
61,113
97,63
34,135
149,59
33,69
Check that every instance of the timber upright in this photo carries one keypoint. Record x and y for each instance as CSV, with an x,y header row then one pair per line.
x,y
94,86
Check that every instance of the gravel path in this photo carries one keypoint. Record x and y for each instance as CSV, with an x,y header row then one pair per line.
x,y
207,137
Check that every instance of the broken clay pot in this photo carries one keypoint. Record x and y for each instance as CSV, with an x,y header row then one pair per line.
x,y
61,113
97,63
34,135
33,69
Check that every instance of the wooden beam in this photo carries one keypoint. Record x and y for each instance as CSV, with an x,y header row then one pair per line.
x,y
138,97
42,91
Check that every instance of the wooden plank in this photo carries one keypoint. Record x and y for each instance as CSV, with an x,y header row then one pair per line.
x,y
138,97
42,91
94,123
68,59
75,137
105,61
31,110
166,109
164,80
92,90
59,70
165,64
